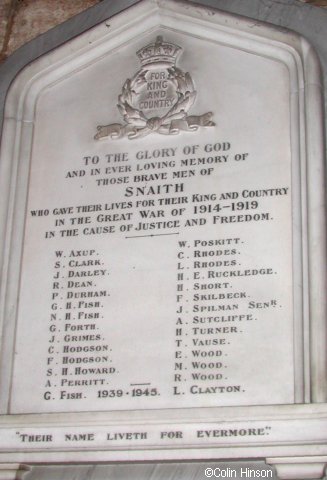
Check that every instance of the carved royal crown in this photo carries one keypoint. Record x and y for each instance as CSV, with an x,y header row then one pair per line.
x,y
158,52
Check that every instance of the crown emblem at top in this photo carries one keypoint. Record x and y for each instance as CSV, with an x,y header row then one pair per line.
x,y
157,98
158,52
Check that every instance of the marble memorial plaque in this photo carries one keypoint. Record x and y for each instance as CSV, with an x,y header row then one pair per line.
x,y
160,245
164,244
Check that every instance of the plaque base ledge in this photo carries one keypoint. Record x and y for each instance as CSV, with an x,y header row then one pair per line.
x,y
13,471
299,468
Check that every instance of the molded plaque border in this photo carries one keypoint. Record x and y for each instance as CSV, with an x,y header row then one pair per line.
x,y
297,430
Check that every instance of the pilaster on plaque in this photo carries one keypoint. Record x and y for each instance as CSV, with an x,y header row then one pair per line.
x,y
13,471
299,468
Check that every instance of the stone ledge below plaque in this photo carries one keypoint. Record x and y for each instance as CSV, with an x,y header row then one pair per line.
x,y
164,233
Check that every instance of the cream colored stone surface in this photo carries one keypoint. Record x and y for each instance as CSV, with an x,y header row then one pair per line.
x,y
34,17
316,3
5,11
21,21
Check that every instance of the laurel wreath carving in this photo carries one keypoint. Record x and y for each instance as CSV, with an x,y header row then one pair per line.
x,y
135,117
176,119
